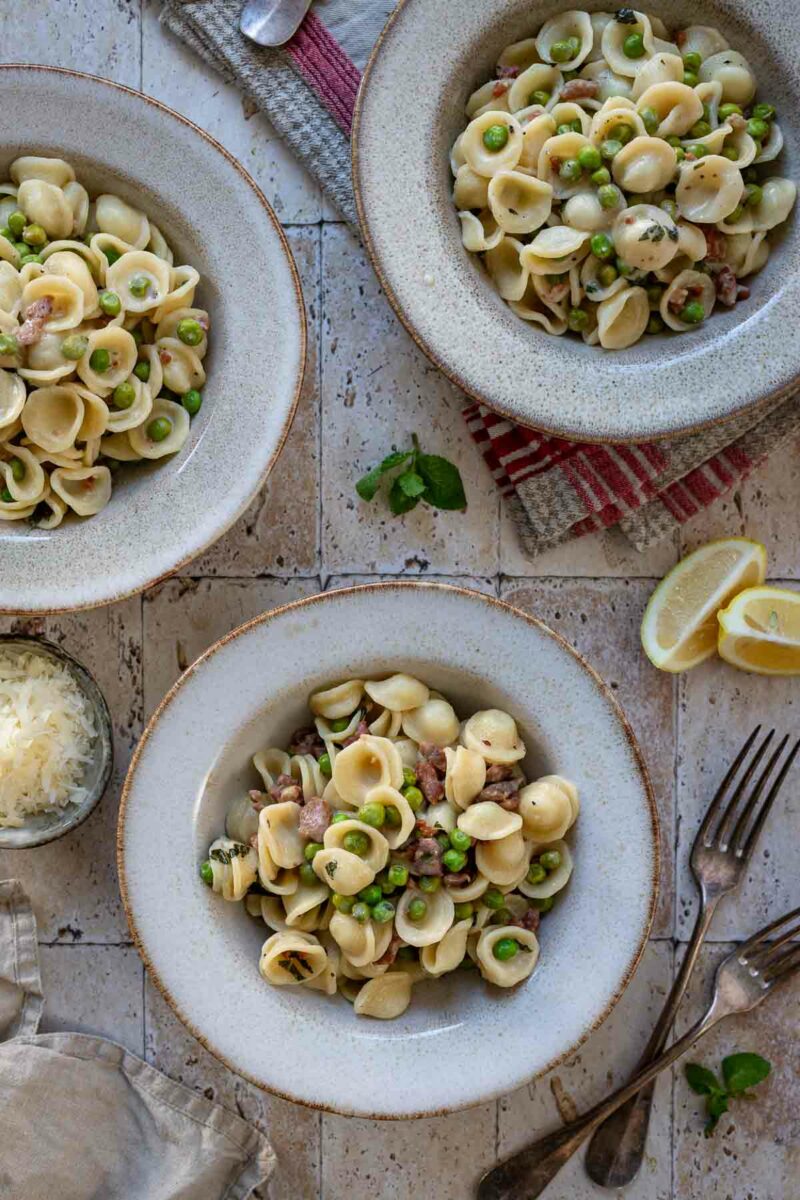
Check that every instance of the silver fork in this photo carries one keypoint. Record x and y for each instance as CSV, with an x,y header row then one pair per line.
x,y
722,849
743,980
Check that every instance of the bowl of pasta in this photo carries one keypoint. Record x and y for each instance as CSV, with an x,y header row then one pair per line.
x,y
136,334
586,219
392,835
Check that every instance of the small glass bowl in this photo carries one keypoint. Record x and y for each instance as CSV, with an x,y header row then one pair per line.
x,y
46,827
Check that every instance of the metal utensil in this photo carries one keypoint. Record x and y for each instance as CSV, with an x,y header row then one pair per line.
x,y
743,980
720,854
272,22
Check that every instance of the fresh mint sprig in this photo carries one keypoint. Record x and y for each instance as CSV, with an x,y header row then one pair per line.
x,y
427,477
739,1072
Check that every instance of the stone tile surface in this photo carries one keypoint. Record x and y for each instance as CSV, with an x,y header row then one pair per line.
x,y
98,36
94,989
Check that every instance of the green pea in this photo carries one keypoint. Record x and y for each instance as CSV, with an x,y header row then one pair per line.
x,y
753,194
341,816
386,887
6,497
577,319
589,158
112,255
137,335
360,911
570,169
373,814
495,137
609,195
730,152
697,150
8,344
409,777
669,207
506,948
17,222
680,154
565,50
601,176
110,303
343,904
728,110
443,840
536,873
340,724
22,248
602,246
382,912
655,324
674,141
397,875
550,860
700,129
762,112
539,97
356,842
123,395
621,133
30,258
691,78
633,46
312,849
393,818
371,894
607,274
654,294
735,217
75,347
139,286
576,126
454,860
463,911
207,873
190,331
493,898
142,370
417,909
692,313
307,874
650,119
692,60
414,797
7,234
159,429
610,148
757,128
460,840
324,760
17,469
100,361
429,883
34,235
622,267
565,128
542,905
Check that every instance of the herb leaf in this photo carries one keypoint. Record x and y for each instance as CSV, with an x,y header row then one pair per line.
x,y
399,501
743,1071
411,483
625,16
701,1080
368,484
717,1105
443,485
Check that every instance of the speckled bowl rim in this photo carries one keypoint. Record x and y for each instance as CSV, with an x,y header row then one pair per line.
x,y
398,586
94,693
449,370
302,329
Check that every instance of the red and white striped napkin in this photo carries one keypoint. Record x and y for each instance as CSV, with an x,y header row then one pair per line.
x,y
555,489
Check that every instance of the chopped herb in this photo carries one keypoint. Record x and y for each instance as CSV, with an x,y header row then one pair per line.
x,y
626,16
653,233
740,1072
330,868
427,477
672,233
237,850
293,962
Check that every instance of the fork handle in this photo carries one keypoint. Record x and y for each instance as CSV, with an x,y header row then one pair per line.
x,y
524,1176
617,1147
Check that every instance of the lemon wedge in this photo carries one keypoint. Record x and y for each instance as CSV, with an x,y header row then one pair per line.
x,y
759,631
679,627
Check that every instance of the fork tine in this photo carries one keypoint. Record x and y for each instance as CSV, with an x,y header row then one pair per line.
x,y
759,939
786,963
716,804
723,829
770,949
737,836
744,845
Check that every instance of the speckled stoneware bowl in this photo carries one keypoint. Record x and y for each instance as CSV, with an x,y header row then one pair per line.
x,y
432,55
460,1042
46,827
164,513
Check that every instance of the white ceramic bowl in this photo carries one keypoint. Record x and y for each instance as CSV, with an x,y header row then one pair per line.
x,y
460,1042
164,513
431,57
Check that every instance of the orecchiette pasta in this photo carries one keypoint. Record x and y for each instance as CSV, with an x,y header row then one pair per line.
x,y
391,842
94,320
599,117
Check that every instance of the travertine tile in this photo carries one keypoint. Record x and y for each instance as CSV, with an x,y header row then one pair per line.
x,y
292,1129
94,989
279,533
85,35
601,619
719,707
73,882
599,554
176,75
604,1062
183,617
378,389
755,1152
398,1160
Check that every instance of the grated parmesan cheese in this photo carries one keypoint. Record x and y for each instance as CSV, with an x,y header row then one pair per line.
x,y
46,734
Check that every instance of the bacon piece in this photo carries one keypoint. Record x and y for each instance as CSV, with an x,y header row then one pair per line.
x,y
579,89
427,857
680,37
315,817
529,920
500,89
727,287
306,741
505,793
362,729
390,954
35,316
434,755
678,299
715,243
498,772
742,292
258,799
424,829
507,72
286,788
429,782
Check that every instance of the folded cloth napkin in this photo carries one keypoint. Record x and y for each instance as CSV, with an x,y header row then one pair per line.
x,y
84,1119
556,490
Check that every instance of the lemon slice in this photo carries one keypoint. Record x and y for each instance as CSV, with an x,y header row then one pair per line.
x,y
760,631
679,627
